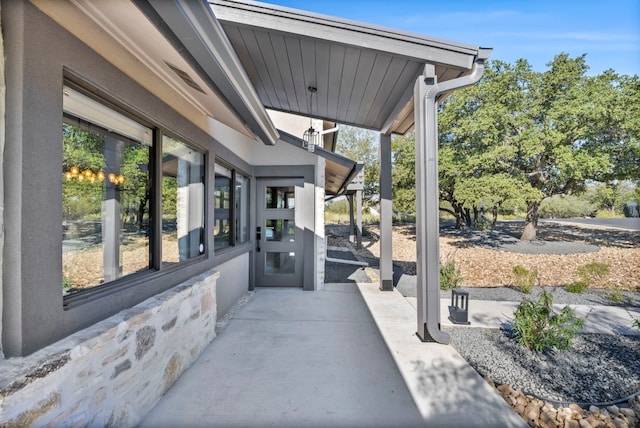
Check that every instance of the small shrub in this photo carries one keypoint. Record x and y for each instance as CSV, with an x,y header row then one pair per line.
x,y
615,295
593,272
450,275
577,287
66,283
524,279
539,328
636,323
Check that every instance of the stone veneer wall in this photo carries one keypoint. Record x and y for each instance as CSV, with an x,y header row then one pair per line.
x,y
113,373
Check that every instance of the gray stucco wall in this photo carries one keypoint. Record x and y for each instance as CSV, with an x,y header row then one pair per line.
x,y
232,284
2,127
39,54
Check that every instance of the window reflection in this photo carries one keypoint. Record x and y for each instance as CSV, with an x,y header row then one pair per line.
x,y
221,206
105,205
281,230
182,201
280,197
280,263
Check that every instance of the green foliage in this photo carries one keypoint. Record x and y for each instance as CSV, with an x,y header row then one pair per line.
x,y
340,206
403,176
608,214
362,145
610,197
590,274
566,206
636,323
450,275
547,133
615,295
539,327
577,287
594,271
524,279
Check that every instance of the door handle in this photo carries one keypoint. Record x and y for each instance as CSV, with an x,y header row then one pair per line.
x,y
258,238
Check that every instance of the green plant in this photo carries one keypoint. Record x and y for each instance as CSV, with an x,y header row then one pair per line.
x,y
524,279
593,272
538,327
577,287
615,295
636,323
66,283
450,275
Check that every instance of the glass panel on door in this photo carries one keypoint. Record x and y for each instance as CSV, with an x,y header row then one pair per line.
x,y
281,230
280,197
280,263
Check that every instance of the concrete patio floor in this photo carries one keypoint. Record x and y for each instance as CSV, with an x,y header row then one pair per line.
x,y
346,356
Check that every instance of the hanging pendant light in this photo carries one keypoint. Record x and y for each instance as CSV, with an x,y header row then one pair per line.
x,y
311,137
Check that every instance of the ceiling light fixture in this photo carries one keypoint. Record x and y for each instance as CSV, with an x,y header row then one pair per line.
x,y
311,137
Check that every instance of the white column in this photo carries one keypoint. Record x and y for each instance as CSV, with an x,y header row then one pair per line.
x,y
386,214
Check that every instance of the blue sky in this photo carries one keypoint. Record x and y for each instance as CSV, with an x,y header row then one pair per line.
x,y
608,31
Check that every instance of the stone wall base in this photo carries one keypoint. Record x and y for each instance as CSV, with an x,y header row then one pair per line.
x,y
113,373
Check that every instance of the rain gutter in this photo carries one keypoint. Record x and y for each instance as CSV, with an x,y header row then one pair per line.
x,y
429,291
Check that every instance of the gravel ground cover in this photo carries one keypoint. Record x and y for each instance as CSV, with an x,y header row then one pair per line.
x,y
598,368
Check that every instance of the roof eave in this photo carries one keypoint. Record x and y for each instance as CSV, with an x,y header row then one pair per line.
x,y
205,44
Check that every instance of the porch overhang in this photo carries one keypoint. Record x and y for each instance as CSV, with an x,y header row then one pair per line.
x,y
364,74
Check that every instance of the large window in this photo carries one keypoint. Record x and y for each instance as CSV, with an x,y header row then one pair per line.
x,y
182,201
231,208
108,190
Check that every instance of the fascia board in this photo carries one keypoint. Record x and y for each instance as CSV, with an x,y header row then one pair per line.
x,y
332,29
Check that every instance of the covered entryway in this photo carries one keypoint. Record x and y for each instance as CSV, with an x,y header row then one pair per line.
x,y
279,237
362,75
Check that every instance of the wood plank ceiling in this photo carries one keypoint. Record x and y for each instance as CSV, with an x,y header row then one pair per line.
x,y
364,75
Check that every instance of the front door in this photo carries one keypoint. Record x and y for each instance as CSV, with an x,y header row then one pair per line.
x,y
279,236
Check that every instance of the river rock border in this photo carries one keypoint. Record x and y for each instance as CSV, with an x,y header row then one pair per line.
x,y
538,413
113,373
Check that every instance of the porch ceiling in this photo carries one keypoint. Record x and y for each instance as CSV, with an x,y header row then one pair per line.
x,y
364,74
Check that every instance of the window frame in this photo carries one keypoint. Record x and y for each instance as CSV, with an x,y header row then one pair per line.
x,y
156,269
234,241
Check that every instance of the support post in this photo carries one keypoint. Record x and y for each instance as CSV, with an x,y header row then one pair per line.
x,y
358,219
427,212
352,222
386,213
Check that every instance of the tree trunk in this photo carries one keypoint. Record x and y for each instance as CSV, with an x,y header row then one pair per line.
x,y
467,217
476,217
494,212
531,222
458,213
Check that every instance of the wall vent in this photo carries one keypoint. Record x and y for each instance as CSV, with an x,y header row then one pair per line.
x,y
185,77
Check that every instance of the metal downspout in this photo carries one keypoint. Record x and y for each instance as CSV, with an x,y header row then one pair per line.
x,y
431,330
